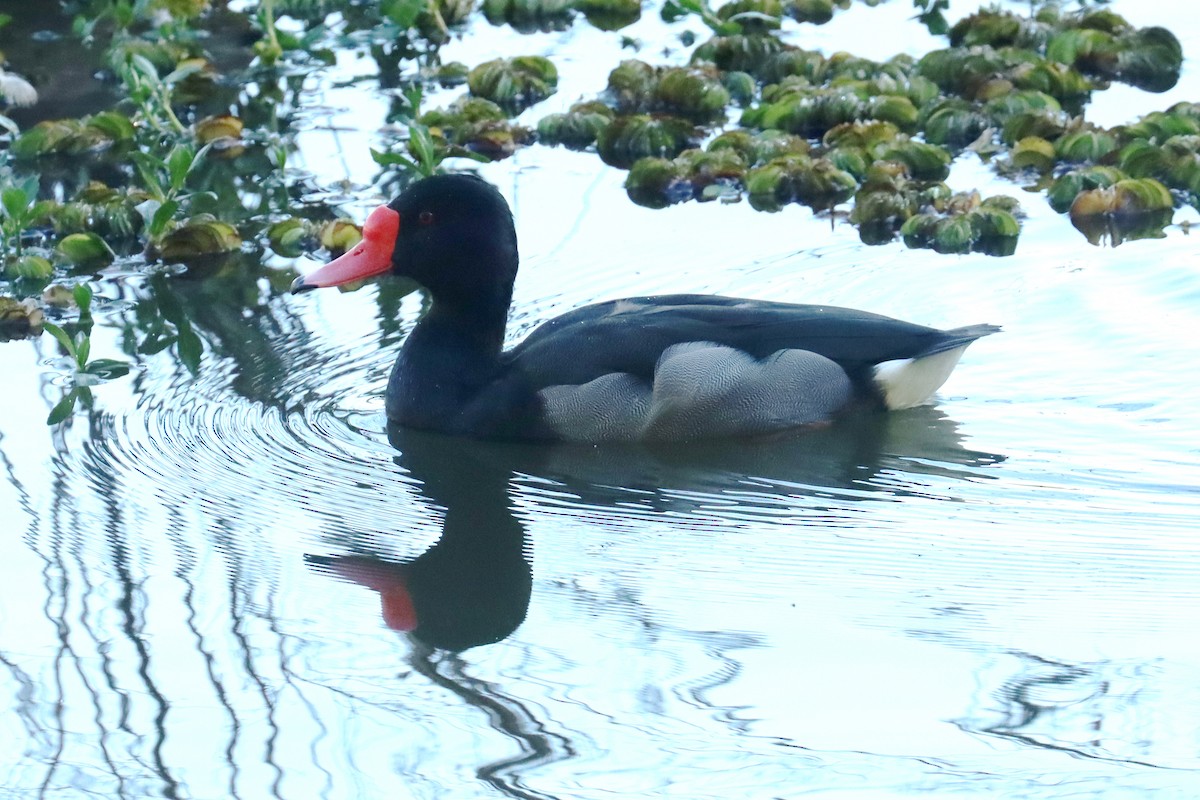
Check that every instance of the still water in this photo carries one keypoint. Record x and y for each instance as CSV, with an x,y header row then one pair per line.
x,y
993,596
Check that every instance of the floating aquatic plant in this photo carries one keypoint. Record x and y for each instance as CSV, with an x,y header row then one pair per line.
x,y
222,134
798,179
514,83
691,92
627,139
739,53
1033,152
100,209
969,224
1066,187
1085,145
86,370
759,147
1133,208
1000,29
470,127
201,236
19,318
693,174
610,15
889,197
93,134
813,111
577,128
527,16
85,250
29,267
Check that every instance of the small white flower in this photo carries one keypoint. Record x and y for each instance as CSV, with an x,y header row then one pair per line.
x,y
17,90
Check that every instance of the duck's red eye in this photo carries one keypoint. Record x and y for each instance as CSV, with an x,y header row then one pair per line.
x,y
425,217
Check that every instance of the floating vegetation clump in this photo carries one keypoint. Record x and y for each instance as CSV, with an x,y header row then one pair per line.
x,y
577,128
100,209
19,319
817,183
1104,44
223,135
690,92
693,174
740,53
1132,208
99,132
477,125
514,83
624,140
186,163
527,16
293,236
810,112
610,15
85,250
964,223
197,238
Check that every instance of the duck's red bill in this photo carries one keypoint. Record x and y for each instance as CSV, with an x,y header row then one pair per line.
x,y
372,256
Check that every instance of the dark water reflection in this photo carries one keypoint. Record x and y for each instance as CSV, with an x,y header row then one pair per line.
x,y
473,585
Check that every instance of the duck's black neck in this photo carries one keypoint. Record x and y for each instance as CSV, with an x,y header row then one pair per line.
x,y
451,354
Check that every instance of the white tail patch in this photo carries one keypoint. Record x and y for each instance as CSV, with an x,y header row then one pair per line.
x,y
909,382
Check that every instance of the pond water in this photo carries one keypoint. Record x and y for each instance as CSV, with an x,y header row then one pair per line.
x,y
994,595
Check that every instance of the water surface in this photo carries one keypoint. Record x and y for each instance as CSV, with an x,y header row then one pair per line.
x,y
995,595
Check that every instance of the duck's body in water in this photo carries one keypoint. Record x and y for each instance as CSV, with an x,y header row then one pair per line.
x,y
672,367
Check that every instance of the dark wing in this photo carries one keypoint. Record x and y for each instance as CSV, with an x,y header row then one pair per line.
x,y
629,335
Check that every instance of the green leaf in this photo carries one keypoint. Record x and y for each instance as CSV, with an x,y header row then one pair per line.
x,y
190,349
83,348
61,335
107,368
149,168
186,69
144,68
402,12
41,210
15,201
457,151
420,143
83,299
155,343
392,159
164,214
64,408
179,164
170,307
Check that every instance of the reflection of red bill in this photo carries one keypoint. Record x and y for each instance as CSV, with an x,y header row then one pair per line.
x,y
372,256
398,611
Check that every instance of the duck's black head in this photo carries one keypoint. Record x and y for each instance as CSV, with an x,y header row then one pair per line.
x,y
453,234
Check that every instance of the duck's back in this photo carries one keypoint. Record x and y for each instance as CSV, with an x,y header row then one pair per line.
x,y
694,366
630,335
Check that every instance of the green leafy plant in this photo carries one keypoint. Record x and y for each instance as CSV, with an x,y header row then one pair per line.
x,y
425,151
678,9
20,208
152,94
88,371
165,180
929,14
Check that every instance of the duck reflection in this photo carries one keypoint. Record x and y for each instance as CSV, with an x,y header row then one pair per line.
x,y
473,586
